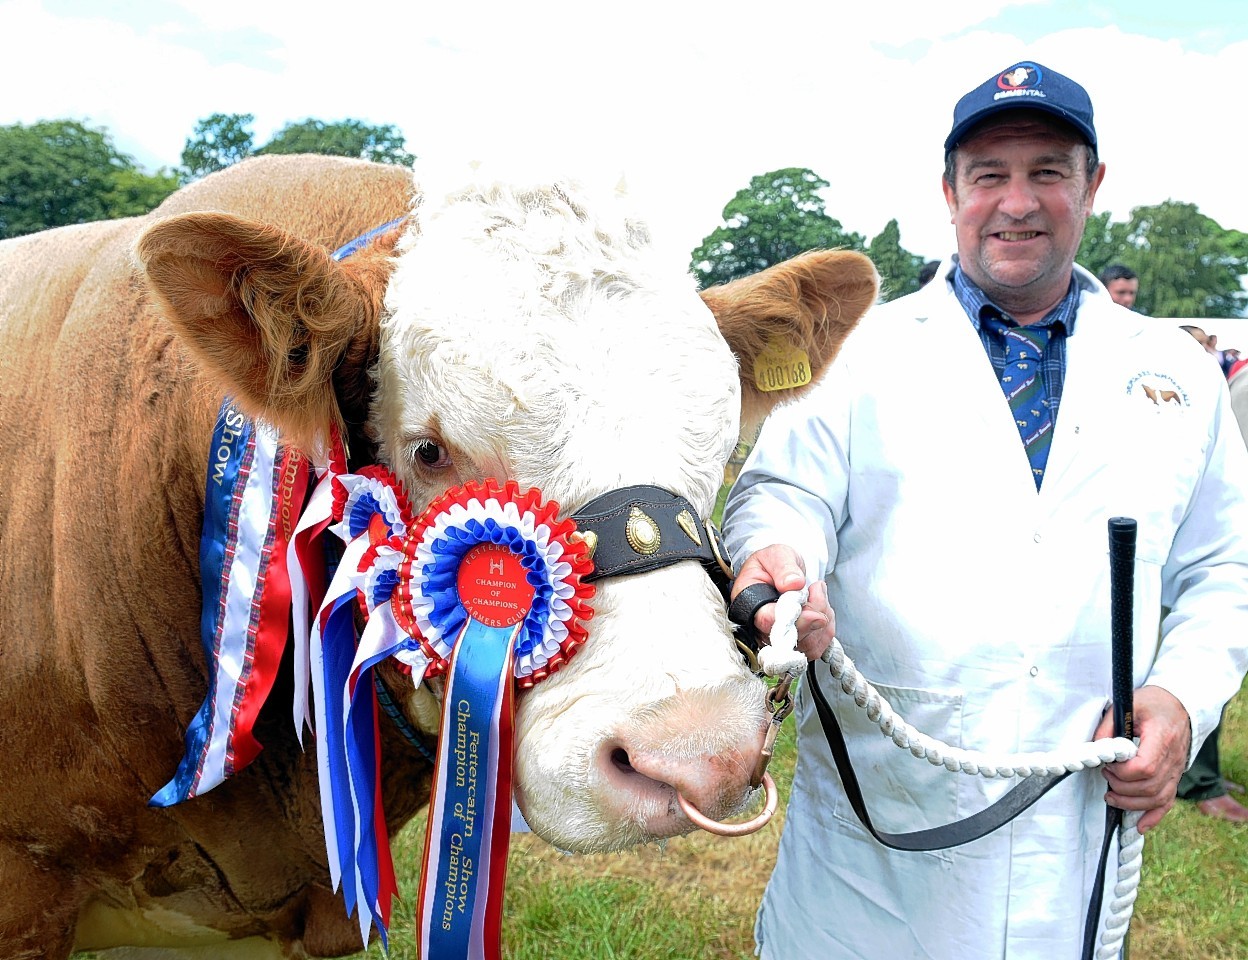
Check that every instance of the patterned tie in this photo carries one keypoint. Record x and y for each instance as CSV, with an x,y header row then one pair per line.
x,y
1024,388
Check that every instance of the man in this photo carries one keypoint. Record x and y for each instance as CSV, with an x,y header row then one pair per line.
x,y
965,544
1122,283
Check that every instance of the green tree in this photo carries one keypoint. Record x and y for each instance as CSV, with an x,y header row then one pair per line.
x,y
217,142
1189,266
898,267
779,215
345,138
223,139
59,172
1102,243
134,192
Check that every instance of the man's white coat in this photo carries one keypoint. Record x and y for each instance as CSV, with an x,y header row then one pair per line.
x,y
980,609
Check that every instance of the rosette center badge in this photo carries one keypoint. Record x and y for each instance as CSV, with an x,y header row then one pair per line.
x,y
493,586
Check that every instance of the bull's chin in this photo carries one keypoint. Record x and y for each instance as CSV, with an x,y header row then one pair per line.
x,y
623,834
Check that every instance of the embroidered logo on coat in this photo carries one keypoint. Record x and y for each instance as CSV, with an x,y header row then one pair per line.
x,y
1161,396
1158,390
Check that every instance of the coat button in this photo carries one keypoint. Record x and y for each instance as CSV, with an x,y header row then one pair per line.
x,y
1034,671
1035,537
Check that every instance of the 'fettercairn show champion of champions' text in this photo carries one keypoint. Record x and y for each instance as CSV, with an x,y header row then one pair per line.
x,y
460,870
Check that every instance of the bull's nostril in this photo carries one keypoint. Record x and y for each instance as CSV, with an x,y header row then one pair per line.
x,y
619,756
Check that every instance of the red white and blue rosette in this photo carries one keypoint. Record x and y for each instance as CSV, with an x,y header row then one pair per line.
x,y
492,585
428,601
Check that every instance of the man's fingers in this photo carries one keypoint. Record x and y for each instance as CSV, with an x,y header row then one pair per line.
x,y
765,619
808,621
1141,794
814,643
815,628
782,568
1153,817
1154,788
1149,780
777,565
1154,809
1105,729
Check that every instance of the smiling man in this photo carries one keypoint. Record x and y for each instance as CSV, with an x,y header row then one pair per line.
x,y
951,478
1020,184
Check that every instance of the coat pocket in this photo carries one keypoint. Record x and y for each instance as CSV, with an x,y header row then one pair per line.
x,y
903,792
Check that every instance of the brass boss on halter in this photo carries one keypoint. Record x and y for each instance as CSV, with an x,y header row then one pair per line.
x,y
641,528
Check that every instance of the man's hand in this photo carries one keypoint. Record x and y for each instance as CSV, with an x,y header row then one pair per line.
x,y
781,567
1150,779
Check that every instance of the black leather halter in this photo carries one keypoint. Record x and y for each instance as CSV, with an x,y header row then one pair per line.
x,y
640,528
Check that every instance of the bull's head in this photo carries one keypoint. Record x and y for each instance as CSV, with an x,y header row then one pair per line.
x,y
529,332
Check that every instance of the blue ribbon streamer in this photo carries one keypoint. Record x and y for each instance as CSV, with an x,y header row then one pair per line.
x,y
338,651
362,758
479,672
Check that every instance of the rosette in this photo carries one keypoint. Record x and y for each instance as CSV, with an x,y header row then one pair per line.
x,y
429,604
371,503
486,570
492,584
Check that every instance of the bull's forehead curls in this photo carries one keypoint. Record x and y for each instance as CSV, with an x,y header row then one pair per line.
x,y
535,325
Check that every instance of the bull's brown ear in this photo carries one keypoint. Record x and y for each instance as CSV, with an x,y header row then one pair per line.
x,y
787,323
288,332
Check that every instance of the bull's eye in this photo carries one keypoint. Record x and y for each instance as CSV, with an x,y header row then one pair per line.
x,y
429,454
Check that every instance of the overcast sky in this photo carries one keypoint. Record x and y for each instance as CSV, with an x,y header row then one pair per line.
x,y
687,100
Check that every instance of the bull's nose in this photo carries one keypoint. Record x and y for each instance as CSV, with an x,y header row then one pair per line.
x,y
685,746
716,784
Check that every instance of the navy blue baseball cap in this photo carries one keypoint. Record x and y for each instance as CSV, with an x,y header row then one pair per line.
x,y
1024,85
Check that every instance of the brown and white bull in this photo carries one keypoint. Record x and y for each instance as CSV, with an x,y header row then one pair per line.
x,y
524,331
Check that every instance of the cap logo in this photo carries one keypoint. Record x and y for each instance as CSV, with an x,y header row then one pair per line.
x,y
1020,76
1025,84
1021,80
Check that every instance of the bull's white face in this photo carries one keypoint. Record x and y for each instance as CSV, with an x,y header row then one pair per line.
x,y
525,339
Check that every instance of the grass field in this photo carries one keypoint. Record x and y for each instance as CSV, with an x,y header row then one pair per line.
x,y
695,897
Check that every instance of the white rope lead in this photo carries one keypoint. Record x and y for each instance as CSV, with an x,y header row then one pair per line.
x,y
1084,756
781,655
1130,859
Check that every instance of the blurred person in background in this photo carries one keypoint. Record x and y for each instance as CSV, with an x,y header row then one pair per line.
x,y
1122,283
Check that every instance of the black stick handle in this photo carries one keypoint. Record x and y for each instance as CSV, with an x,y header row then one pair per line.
x,y
1122,531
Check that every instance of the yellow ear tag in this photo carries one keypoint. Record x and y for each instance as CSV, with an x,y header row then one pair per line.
x,y
781,365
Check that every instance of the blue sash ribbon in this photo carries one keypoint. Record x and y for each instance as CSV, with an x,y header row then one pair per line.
x,y
475,758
